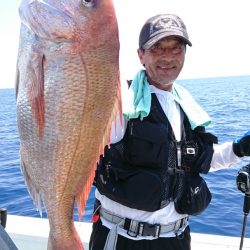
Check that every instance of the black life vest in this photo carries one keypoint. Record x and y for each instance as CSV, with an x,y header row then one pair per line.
x,y
146,169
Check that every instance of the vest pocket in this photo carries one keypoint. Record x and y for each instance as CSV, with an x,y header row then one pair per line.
x,y
127,186
196,196
146,144
201,146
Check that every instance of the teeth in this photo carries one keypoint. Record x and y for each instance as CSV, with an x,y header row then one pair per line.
x,y
165,67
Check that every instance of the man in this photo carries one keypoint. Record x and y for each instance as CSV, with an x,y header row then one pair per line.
x,y
157,153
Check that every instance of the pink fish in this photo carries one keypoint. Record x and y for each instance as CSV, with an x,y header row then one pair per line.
x,y
68,94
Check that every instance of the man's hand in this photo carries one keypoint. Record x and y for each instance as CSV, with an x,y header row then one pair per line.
x,y
241,146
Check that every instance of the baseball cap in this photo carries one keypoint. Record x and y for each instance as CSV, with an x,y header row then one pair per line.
x,y
160,26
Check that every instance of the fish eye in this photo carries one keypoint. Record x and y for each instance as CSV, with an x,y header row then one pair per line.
x,y
88,3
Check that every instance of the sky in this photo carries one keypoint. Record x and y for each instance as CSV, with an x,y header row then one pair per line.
x,y
218,29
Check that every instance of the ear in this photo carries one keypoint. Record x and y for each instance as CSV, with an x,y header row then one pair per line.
x,y
140,53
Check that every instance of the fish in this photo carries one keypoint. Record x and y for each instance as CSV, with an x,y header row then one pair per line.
x,y
67,98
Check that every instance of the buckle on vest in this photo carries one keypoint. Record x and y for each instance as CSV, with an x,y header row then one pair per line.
x,y
135,228
146,229
131,227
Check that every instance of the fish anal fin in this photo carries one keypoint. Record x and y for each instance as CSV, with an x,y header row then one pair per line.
x,y
33,190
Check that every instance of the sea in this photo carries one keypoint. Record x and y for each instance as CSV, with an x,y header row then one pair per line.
x,y
226,99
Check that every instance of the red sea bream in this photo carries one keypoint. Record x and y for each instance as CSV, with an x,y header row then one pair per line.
x,y
68,94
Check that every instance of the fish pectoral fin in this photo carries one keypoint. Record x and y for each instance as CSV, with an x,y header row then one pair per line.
x,y
47,21
36,91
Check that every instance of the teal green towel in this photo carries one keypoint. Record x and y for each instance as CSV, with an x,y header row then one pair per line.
x,y
138,101
196,115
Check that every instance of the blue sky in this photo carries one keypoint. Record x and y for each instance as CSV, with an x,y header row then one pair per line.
x,y
9,35
218,29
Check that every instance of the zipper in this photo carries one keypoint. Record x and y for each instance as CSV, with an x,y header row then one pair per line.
x,y
178,169
178,148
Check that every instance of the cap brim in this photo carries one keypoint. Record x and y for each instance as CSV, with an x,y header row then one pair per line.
x,y
160,36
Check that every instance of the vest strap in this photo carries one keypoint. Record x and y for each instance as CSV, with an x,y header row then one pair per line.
x,y
136,228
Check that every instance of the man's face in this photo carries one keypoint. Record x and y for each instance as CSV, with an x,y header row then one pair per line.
x,y
163,61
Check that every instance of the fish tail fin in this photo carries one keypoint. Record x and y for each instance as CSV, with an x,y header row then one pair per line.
x,y
66,242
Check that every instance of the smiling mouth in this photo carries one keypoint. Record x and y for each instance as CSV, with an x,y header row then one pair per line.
x,y
166,67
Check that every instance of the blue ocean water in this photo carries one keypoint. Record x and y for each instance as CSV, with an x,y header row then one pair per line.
x,y
227,101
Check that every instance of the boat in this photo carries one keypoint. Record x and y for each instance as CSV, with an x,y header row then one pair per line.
x,y
29,233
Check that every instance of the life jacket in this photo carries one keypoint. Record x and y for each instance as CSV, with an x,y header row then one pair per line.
x,y
146,169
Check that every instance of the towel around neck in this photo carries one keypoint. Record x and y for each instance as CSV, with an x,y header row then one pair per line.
x,y
137,102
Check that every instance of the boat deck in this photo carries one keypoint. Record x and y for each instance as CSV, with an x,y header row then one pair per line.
x,y
32,233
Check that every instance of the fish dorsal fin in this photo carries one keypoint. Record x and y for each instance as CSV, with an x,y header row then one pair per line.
x,y
117,110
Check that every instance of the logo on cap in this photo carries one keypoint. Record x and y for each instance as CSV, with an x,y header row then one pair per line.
x,y
165,24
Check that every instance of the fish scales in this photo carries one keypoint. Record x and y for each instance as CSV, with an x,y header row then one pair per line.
x,y
68,93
